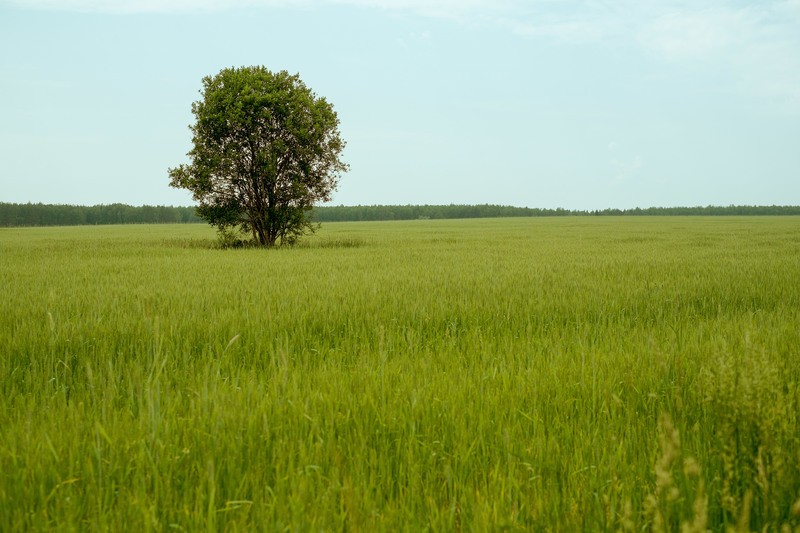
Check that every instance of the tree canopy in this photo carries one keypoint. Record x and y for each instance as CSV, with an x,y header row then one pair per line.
x,y
265,149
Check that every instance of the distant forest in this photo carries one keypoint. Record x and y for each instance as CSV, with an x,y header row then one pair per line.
x,y
76,215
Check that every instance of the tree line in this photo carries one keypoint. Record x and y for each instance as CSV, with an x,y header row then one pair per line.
x,y
79,215
411,212
12,214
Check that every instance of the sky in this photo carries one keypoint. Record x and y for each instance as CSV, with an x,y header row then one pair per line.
x,y
579,104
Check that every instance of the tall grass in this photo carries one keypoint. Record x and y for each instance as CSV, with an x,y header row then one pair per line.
x,y
521,374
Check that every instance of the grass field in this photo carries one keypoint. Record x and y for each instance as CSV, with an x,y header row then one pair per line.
x,y
615,374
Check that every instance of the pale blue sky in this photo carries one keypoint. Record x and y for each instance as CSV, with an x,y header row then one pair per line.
x,y
581,104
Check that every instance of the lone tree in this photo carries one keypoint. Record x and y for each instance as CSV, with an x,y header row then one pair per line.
x,y
266,148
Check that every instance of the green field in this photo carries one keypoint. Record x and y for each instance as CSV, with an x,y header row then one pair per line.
x,y
478,375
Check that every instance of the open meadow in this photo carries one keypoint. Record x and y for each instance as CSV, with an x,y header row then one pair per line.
x,y
531,374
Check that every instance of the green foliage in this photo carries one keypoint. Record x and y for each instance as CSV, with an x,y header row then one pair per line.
x,y
342,213
266,148
541,374
228,237
70,215
77,215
